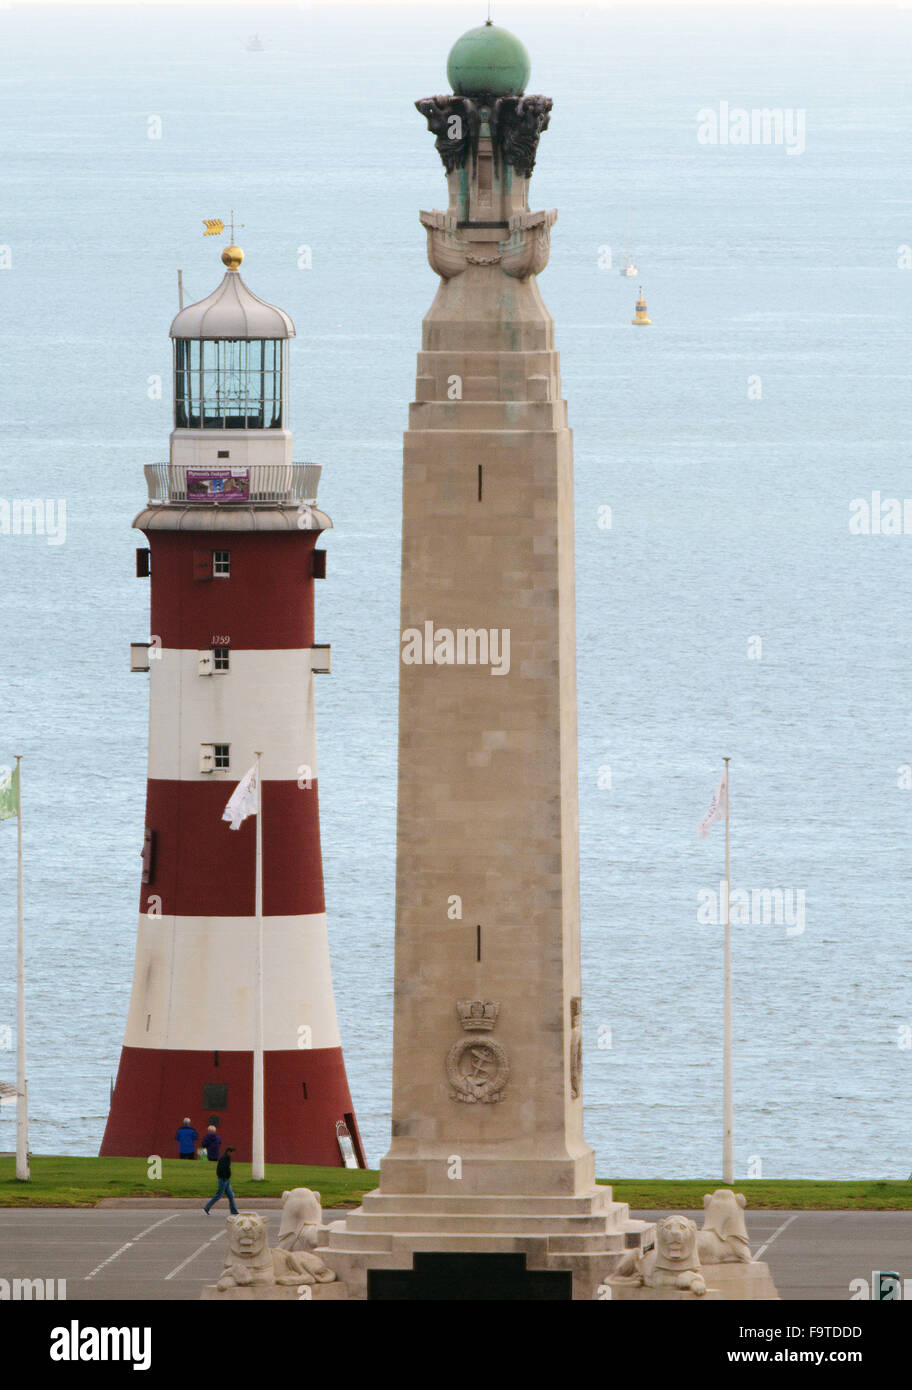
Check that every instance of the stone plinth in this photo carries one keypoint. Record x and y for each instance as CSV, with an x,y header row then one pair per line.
x,y
741,1281
625,1293
275,1293
728,1283
587,1235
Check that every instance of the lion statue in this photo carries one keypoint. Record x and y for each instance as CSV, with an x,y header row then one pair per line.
x,y
302,1221
251,1261
672,1263
723,1239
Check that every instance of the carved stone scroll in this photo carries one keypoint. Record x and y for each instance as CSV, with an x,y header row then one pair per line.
x,y
576,1047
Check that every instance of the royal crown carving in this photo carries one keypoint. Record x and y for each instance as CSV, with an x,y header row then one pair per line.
x,y
477,1014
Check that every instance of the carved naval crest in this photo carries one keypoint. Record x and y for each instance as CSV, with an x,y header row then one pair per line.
x,y
477,1069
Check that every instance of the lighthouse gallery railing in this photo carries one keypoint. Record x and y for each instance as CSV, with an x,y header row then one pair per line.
x,y
267,484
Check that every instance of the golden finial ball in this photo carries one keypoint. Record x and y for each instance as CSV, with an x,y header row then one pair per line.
x,y
232,257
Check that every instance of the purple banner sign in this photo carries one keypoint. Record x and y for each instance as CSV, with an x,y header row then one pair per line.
x,y
218,484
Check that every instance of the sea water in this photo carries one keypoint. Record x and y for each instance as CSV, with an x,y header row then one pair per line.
x,y
724,606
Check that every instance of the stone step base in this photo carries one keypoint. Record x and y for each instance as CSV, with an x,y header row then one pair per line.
x,y
591,1269
487,1242
601,1262
520,1224
598,1202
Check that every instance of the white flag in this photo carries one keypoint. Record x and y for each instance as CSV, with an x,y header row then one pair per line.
x,y
716,810
243,800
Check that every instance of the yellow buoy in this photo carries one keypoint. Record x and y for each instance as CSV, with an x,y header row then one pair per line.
x,y
641,315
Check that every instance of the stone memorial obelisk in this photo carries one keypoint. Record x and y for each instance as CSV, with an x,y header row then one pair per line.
x,y
488,1157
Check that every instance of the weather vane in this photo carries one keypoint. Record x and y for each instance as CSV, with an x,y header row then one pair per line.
x,y
215,226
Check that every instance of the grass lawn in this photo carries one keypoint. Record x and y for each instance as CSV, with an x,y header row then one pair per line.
x,y
81,1182
798,1195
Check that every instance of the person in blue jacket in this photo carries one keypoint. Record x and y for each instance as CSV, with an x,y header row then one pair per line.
x,y
212,1143
186,1138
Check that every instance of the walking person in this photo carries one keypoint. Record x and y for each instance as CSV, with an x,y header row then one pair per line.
x,y
223,1173
186,1138
212,1143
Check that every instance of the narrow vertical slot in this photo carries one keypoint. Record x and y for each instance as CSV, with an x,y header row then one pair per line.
x,y
479,482
478,943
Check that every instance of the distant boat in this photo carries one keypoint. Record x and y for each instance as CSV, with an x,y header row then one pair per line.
x,y
254,44
7,1093
641,317
628,268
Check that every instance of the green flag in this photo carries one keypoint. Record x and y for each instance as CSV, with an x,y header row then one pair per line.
x,y
9,794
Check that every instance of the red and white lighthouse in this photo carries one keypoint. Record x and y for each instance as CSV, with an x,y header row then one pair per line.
x,y
232,526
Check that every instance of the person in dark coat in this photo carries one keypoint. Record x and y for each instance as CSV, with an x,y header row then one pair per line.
x,y
223,1174
186,1138
212,1142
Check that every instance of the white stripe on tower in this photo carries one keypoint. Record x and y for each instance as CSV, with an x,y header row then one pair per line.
x,y
193,985
271,691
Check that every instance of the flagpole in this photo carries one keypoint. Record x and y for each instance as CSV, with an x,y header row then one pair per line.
x,y
23,1173
728,1154
258,1172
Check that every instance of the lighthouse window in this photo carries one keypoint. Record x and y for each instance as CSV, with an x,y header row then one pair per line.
x,y
222,759
228,383
222,657
221,563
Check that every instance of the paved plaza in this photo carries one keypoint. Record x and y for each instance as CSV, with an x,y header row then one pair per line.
x,y
168,1250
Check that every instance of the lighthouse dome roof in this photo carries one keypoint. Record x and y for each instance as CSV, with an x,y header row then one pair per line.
x,y
232,311
489,61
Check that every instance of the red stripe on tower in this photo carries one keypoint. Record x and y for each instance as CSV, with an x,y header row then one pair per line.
x,y
232,525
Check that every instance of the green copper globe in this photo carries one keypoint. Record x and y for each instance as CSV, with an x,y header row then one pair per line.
x,y
488,61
